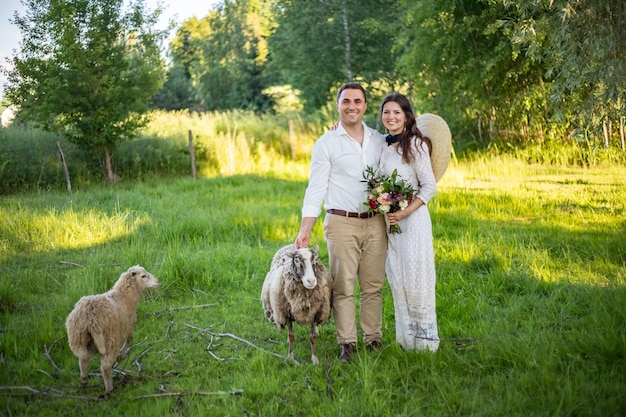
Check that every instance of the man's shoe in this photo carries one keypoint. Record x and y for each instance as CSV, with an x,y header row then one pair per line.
x,y
347,350
374,345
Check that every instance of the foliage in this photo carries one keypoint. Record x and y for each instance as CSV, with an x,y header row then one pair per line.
x,y
500,72
225,56
519,72
318,45
530,291
588,67
177,93
472,72
86,70
29,161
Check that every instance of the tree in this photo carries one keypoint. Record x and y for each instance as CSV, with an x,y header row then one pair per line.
x,y
466,66
588,67
236,56
319,44
177,93
186,52
521,70
87,70
226,55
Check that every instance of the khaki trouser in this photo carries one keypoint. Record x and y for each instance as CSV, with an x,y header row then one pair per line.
x,y
357,248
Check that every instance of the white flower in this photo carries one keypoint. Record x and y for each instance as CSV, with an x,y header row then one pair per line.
x,y
384,208
403,204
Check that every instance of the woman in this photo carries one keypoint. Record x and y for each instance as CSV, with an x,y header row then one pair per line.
x,y
410,264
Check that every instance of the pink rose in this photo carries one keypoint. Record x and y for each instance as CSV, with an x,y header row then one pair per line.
x,y
385,199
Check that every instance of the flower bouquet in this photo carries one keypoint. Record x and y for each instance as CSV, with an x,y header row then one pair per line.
x,y
387,194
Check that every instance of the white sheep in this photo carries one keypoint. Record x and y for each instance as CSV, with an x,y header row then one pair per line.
x,y
104,323
298,287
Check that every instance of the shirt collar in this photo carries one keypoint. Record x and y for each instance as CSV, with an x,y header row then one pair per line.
x,y
342,131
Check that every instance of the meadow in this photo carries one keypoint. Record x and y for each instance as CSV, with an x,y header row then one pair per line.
x,y
531,297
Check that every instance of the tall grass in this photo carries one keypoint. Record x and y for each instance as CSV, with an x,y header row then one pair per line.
x,y
531,265
238,142
227,143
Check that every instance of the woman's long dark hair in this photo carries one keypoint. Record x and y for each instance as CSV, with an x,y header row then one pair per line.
x,y
410,127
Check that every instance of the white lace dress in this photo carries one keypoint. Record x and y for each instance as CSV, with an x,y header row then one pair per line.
x,y
410,265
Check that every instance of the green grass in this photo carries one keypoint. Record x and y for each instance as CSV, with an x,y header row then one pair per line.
x,y
531,298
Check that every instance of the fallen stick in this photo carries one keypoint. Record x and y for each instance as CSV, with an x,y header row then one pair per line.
x,y
186,307
47,394
137,360
329,386
48,349
232,336
189,394
169,327
71,263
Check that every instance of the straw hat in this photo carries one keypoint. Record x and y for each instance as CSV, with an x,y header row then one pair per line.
x,y
436,129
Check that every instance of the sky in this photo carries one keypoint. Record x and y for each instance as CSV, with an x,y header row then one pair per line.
x,y
177,10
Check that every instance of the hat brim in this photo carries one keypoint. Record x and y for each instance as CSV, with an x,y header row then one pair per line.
x,y
436,129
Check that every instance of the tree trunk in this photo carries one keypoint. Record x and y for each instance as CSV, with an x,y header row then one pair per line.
x,y
107,162
621,133
346,33
605,135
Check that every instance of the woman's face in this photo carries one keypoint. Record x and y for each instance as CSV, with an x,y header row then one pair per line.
x,y
393,117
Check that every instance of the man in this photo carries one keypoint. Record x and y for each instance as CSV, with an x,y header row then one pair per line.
x,y
356,239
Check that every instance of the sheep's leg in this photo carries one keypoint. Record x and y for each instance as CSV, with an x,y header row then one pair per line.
x,y
291,338
106,365
83,364
312,337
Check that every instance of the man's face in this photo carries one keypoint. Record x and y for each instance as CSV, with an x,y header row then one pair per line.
x,y
351,106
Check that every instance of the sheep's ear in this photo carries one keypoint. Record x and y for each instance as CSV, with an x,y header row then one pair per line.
x,y
316,249
135,270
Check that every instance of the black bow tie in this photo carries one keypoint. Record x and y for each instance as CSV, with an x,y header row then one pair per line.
x,y
392,138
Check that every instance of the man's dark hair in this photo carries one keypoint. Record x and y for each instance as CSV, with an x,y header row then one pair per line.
x,y
351,86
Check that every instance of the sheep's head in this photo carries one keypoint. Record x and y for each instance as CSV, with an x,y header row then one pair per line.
x,y
143,278
303,260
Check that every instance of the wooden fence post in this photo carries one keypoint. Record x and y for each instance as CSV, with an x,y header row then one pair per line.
x,y
192,153
65,170
621,133
292,140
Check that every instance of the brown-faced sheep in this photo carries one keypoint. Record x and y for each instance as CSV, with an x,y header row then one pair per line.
x,y
297,288
104,323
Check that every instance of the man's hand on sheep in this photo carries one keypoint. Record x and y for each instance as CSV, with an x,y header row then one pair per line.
x,y
304,236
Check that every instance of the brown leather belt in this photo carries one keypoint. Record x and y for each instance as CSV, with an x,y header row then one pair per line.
x,y
365,215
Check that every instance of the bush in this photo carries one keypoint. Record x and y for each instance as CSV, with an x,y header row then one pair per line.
x,y
29,160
